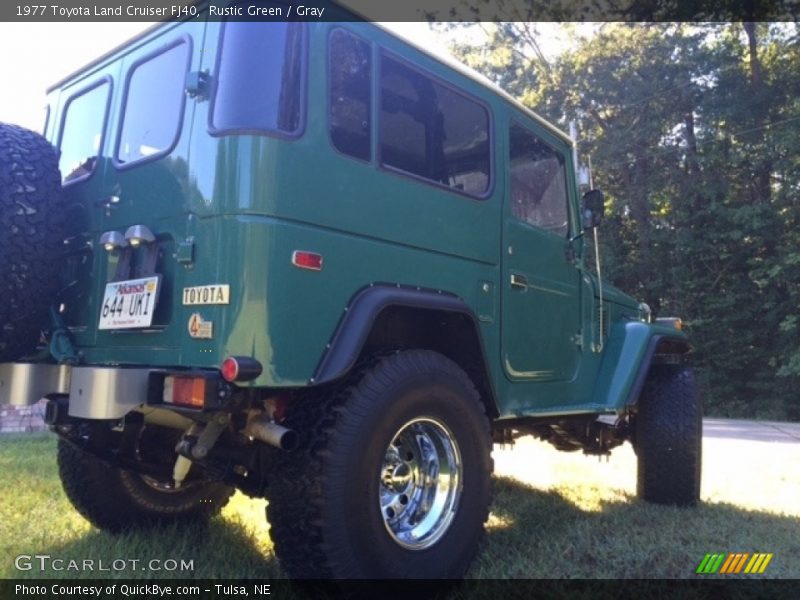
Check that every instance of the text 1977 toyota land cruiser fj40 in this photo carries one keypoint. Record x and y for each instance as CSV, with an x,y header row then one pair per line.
x,y
314,263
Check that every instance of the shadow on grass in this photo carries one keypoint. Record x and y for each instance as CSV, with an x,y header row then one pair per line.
x,y
533,533
39,520
544,534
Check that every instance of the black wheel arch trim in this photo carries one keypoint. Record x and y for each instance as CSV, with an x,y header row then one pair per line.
x,y
365,307
651,357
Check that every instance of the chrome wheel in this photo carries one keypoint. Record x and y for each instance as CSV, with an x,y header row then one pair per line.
x,y
420,483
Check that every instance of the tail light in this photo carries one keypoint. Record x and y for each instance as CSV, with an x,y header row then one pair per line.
x,y
185,391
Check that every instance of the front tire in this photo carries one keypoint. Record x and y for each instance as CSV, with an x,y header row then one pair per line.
x,y
115,499
392,478
668,437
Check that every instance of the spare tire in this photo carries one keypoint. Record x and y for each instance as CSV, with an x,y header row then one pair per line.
x,y
31,238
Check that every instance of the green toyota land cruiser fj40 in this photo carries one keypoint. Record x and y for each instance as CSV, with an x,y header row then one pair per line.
x,y
314,263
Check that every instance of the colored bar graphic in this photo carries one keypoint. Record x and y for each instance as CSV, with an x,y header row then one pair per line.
x,y
733,563
728,563
765,563
741,563
711,563
752,563
717,564
703,563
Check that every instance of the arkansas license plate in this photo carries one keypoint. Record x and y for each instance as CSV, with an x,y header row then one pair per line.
x,y
129,304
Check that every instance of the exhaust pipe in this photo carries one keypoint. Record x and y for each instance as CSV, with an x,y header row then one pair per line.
x,y
273,434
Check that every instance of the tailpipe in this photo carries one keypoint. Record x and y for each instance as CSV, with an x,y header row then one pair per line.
x,y
264,430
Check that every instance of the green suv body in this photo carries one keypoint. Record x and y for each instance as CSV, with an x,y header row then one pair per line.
x,y
287,236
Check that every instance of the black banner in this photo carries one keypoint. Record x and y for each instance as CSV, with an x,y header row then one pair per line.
x,y
507,589
405,10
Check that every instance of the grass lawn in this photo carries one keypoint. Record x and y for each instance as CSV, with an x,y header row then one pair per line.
x,y
555,515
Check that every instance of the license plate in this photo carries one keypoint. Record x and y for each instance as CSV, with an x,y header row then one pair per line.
x,y
129,304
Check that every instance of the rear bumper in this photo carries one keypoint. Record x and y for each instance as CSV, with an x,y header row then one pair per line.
x,y
22,384
94,392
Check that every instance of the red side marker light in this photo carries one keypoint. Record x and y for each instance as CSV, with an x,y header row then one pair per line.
x,y
240,368
307,260
230,369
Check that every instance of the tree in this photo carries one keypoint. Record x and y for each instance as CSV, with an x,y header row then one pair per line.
x,y
692,133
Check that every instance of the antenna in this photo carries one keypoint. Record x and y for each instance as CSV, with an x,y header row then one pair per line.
x,y
599,346
573,133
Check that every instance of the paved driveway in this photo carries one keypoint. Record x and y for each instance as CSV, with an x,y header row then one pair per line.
x,y
751,465
754,431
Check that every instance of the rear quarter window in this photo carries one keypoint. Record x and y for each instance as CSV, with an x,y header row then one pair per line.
x,y
350,94
432,131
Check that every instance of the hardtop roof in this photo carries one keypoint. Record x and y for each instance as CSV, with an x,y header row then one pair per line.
x,y
444,60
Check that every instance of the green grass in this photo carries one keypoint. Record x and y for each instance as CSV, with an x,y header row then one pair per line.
x,y
554,516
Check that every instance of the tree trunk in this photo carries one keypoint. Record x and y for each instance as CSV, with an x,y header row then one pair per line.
x,y
762,170
691,142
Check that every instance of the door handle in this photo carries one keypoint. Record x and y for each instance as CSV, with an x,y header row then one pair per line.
x,y
519,281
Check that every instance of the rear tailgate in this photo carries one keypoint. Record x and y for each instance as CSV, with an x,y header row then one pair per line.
x,y
124,129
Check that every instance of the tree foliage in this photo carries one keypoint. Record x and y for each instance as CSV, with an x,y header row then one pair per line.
x,y
693,135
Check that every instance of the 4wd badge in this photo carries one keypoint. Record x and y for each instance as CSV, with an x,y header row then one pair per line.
x,y
199,328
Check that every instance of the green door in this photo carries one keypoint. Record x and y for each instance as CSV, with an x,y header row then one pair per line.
x,y
81,134
541,284
149,146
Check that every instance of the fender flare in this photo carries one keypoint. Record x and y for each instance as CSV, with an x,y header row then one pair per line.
x,y
674,349
365,307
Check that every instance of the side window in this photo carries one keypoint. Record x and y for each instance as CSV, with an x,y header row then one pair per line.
x,y
431,131
153,105
538,182
259,79
350,94
82,132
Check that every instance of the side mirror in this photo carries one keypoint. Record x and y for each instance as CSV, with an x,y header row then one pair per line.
x,y
593,208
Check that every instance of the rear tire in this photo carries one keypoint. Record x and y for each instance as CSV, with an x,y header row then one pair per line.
x,y
31,237
115,499
392,478
668,437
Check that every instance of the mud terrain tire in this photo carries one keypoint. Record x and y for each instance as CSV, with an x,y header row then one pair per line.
x,y
116,500
31,237
669,436
355,500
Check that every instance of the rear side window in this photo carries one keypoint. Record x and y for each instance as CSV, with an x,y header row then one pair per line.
x,y
153,105
538,182
350,94
82,132
259,79
431,131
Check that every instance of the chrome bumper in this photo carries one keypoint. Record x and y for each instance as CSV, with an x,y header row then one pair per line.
x,y
94,392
